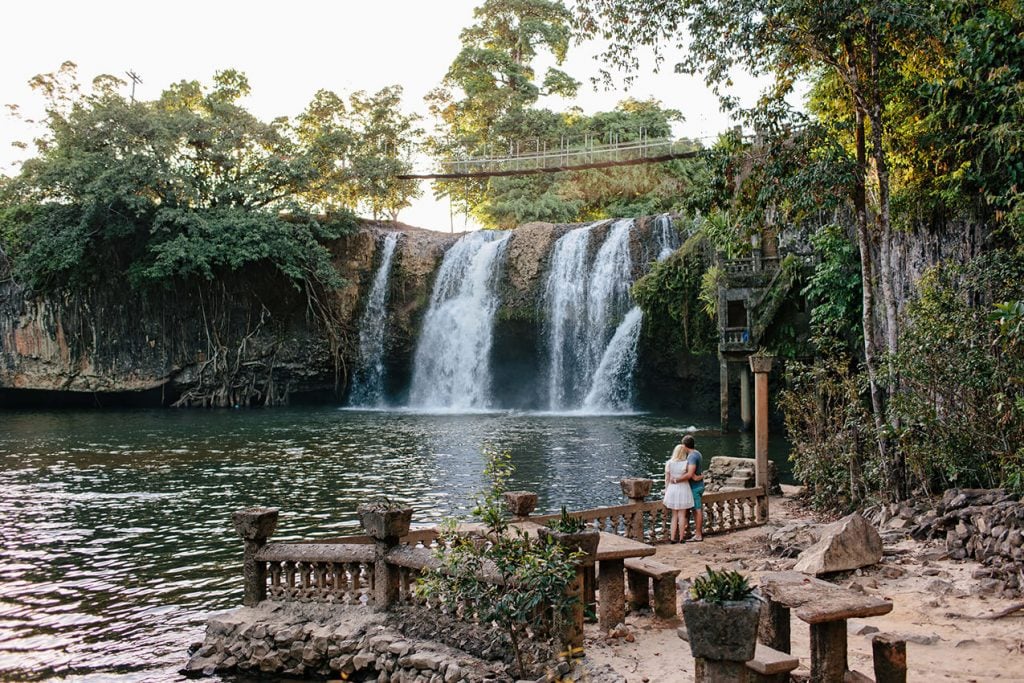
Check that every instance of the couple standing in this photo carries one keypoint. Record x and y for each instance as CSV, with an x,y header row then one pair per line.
x,y
684,485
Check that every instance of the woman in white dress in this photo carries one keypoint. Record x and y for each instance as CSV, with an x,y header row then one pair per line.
x,y
678,496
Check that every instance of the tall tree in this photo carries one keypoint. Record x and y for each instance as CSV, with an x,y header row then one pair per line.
x,y
864,44
493,80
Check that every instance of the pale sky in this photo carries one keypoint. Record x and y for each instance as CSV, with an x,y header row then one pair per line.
x,y
288,51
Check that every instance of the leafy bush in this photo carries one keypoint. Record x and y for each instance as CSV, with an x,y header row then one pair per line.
x,y
831,432
670,298
534,575
961,406
716,587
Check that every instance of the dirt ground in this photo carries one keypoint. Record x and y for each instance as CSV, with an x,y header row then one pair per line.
x,y
936,608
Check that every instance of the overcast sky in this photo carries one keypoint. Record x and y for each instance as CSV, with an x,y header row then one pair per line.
x,y
288,51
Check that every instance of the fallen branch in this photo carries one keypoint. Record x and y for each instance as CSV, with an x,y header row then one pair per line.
x,y
1015,607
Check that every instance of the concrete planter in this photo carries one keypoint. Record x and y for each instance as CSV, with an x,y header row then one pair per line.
x,y
384,523
585,541
722,632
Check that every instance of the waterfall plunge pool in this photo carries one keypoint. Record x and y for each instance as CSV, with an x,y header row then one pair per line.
x,y
116,524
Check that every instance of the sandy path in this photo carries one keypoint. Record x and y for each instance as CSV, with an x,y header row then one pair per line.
x,y
936,606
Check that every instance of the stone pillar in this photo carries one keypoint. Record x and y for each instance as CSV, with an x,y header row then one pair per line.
x,y
723,392
745,413
520,503
636,490
761,366
255,526
773,627
385,526
890,655
574,630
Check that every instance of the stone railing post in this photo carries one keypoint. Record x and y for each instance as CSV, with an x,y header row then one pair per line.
x,y
636,490
385,525
255,526
520,503
761,366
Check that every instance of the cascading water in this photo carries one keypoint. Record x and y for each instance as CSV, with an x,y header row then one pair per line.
x,y
368,380
566,300
666,239
452,364
612,389
583,306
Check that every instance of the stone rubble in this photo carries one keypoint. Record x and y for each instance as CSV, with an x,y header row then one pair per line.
x,y
985,525
318,640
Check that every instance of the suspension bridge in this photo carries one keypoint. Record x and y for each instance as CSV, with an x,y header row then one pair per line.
x,y
570,155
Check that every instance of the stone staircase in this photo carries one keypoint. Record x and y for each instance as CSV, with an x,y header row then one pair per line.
x,y
741,478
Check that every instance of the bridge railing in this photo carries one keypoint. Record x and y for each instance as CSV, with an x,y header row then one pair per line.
x,y
544,156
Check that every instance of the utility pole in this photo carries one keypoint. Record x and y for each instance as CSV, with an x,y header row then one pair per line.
x,y
135,81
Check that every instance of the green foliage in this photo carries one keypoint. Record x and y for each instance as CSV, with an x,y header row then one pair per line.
x,y
670,298
717,587
566,523
831,433
508,579
193,186
960,415
834,292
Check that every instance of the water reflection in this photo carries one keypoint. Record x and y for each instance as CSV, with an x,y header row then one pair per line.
x,y
115,526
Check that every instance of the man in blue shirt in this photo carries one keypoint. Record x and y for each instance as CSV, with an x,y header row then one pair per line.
x,y
694,467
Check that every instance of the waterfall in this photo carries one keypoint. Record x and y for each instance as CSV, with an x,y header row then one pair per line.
x,y
612,389
452,363
368,380
583,306
565,296
666,239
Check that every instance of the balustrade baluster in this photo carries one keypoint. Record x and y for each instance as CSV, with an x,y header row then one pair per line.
x,y
289,574
275,579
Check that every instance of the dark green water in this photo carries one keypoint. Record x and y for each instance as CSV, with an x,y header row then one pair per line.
x,y
115,526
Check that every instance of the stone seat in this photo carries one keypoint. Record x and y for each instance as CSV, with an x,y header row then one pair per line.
x,y
641,570
771,666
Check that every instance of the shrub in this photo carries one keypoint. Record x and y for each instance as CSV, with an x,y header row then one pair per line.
x,y
717,587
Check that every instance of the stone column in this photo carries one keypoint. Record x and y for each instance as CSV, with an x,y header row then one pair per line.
x,y
723,392
636,490
255,526
385,526
745,413
761,366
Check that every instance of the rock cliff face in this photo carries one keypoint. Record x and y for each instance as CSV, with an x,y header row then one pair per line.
x,y
259,341
221,344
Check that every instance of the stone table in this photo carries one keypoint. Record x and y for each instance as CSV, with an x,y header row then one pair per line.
x,y
824,606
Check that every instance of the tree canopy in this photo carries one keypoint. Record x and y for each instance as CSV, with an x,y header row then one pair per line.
x,y
193,185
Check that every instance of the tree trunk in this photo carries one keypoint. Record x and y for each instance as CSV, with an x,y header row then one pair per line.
x,y
868,286
886,270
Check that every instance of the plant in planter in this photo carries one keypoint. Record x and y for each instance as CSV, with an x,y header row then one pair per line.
x,y
573,534
384,518
721,616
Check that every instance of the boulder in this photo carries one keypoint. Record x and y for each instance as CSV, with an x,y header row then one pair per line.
x,y
847,544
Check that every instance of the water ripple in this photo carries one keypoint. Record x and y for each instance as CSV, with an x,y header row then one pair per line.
x,y
116,526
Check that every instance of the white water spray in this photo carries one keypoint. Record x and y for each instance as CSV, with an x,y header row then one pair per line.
x,y
452,367
368,380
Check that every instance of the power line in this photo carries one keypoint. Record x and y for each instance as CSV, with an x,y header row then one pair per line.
x,y
135,80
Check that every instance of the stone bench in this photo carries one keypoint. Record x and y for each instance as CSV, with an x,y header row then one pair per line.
x,y
639,571
771,666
